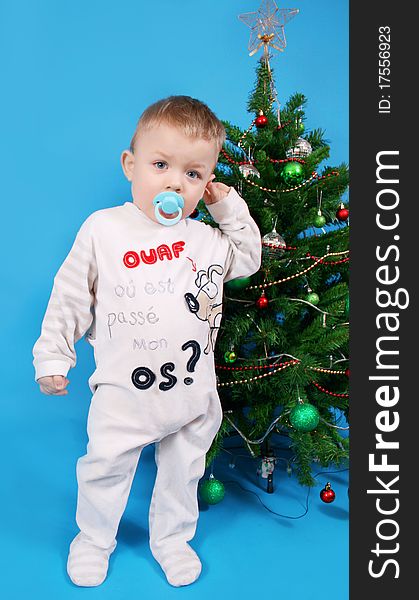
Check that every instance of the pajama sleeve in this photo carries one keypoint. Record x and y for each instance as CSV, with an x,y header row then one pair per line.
x,y
70,309
240,234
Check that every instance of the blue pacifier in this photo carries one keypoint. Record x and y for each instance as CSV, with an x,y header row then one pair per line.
x,y
170,203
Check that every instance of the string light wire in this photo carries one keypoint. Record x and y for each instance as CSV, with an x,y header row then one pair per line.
x,y
280,514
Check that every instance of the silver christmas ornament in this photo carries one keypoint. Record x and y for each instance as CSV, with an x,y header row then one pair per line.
x,y
301,149
273,244
248,170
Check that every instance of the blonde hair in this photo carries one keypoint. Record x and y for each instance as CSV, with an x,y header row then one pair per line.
x,y
191,116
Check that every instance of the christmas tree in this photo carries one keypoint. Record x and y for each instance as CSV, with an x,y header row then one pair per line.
x,y
282,349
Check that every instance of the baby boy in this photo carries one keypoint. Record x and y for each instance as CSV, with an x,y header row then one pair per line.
x,y
144,284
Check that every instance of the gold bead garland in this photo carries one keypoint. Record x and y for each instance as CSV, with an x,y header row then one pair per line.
x,y
265,189
288,363
330,262
281,368
255,162
246,132
329,371
256,367
265,285
314,175
228,383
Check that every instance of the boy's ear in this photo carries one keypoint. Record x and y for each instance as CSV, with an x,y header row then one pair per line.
x,y
127,163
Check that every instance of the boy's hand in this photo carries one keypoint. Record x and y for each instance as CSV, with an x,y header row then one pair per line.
x,y
54,385
215,191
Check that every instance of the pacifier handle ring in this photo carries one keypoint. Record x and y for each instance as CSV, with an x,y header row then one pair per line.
x,y
165,220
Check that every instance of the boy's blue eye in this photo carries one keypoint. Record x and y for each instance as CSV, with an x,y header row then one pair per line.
x,y
160,162
196,176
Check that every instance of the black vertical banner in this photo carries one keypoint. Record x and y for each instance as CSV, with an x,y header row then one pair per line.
x,y
384,331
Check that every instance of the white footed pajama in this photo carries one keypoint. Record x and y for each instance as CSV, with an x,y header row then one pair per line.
x,y
150,298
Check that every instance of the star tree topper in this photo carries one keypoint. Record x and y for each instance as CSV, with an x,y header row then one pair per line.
x,y
268,26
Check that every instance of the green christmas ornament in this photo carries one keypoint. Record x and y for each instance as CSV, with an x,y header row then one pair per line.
x,y
230,356
238,284
319,220
304,417
292,173
211,491
313,298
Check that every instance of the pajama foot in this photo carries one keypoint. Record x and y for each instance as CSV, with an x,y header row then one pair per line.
x,y
87,565
180,564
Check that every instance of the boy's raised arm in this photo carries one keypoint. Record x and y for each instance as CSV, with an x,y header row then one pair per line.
x,y
236,224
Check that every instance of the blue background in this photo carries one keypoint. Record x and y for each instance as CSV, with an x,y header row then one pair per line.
x,y
76,76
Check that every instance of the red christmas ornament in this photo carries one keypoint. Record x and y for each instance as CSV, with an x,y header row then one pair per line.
x,y
261,120
342,213
327,494
262,302
347,372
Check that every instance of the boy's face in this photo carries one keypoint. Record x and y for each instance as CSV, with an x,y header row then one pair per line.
x,y
165,159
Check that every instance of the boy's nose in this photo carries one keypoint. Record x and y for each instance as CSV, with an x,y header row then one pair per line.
x,y
174,186
174,182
